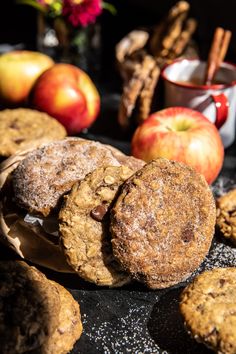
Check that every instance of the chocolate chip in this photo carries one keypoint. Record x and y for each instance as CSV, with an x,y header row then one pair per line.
x,y
212,295
222,282
98,212
187,235
200,307
14,125
19,141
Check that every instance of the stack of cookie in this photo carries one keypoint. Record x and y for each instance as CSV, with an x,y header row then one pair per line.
x,y
156,224
32,194
37,315
114,218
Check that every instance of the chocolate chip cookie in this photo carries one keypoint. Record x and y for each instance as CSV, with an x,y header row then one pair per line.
x,y
208,306
84,226
27,308
23,128
41,179
162,223
226,215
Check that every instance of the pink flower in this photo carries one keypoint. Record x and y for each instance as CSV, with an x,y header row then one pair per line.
x,y
81,12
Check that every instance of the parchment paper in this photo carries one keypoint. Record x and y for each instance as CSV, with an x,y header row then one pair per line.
x,y
25,234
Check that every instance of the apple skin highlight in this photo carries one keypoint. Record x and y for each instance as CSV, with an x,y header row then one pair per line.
x,y
183,135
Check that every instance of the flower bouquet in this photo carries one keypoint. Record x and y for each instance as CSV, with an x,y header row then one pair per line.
x,y
67,24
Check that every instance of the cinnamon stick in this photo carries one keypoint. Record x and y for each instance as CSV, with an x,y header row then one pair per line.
x,y
217,53
225,45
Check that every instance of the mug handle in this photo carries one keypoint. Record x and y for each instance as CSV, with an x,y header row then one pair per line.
x,y
222,108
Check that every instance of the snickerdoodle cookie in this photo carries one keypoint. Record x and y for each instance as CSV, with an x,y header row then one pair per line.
x,y
84,226
40,180
208,306
162,223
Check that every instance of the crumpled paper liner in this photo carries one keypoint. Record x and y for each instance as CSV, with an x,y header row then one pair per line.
x,y
28,239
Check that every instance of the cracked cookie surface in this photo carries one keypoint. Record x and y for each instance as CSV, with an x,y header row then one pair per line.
x,y
162,223
208,306
84,226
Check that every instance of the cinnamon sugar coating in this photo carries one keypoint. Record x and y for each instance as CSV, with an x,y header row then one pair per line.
x,y
162,223
40,180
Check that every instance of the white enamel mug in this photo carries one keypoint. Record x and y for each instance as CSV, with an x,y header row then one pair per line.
x,y
217,101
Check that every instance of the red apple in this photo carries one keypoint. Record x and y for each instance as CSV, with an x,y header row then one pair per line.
x,y
19,70
181,134
68,94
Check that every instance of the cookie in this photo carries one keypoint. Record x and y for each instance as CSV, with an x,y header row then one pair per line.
x,y
27,308
208,307
23,128
162,223
226,215
84,226
69,327
41,179
126,160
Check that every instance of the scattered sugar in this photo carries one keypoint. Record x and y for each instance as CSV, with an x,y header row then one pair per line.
x,y
110,332
221,255
222,185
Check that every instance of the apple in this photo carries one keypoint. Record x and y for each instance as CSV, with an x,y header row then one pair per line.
x,y
68,94
19,70
183,135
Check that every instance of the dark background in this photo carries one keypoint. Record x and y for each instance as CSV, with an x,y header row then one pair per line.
x,y
18,23
143,13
